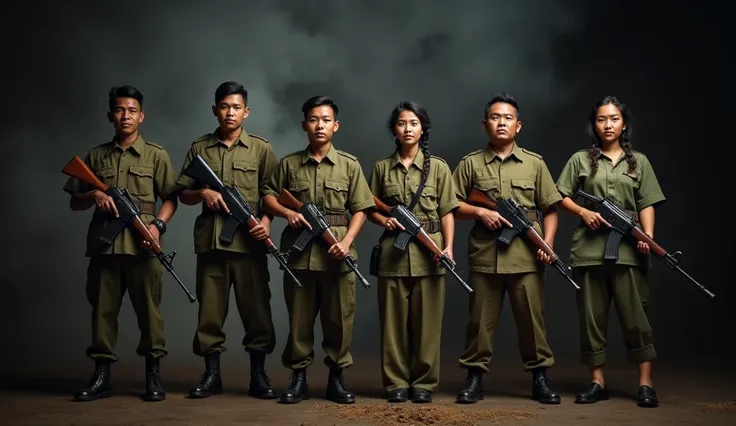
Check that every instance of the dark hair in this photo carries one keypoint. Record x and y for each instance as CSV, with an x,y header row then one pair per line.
x,y
123,92
317,101
502,98
230,88
421,113
595,151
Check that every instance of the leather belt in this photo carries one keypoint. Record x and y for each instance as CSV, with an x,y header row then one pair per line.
x,y
431,226
144,208
336,219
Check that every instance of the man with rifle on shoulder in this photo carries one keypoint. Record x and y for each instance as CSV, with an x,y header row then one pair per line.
x,y
503,170
121,263
314,189
228,256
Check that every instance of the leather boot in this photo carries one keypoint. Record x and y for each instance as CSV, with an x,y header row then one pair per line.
x,y
336,391
647,397
154,385
99,384
593,394
298,389
473,391
260,384
542,389
210,383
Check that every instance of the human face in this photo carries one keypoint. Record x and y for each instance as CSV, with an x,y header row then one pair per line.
x,y
320,124
126,116
231,111
501,123
408,129
609,123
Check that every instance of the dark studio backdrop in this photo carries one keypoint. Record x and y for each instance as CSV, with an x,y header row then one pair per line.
x,y
557,57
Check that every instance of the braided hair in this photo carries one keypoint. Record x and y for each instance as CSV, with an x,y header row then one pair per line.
x,y
421,113
594,152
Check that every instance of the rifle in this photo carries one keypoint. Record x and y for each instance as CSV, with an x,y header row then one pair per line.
x,y
622,224
511,210
320,227
413,228
240,211
129,216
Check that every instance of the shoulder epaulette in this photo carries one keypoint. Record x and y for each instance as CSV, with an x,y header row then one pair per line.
x,y
291,154
155,145
261,138
440,159
476,152
204,137
532,153
345,154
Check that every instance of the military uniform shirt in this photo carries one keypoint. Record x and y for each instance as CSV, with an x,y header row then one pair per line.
x,y
335,185
247,165
633,191
394,184
522,175
144,168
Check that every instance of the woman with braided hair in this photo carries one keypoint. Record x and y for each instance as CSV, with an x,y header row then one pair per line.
x,y
612,169
411,285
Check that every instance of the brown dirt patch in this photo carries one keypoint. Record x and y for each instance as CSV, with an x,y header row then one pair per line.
x,y
720,406
403,415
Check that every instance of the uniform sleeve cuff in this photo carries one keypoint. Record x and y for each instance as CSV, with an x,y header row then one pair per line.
x,y
549,201
447,208
651,200
362,206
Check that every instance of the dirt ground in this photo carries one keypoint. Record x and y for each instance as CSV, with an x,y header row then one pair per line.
x,y
695,396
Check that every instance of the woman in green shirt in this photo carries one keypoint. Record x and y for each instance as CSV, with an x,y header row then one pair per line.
x,y
612,169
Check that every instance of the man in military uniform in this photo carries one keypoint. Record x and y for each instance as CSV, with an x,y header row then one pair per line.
x,y
334,181
144,168
503,169
245,161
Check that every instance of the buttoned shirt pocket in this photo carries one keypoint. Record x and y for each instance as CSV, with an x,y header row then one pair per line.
x,y
107,175
392,193
428,199
524,191
299,189
245,178
336,195
140,181
489,186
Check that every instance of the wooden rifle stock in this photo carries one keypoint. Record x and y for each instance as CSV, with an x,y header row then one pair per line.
x,y
477,198
78,169
421,236
288,200
381,206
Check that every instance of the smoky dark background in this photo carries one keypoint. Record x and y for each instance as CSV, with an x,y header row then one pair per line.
x,y
668,61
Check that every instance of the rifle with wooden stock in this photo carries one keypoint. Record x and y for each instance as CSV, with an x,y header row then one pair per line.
x,y
320,227
511,210
241,213
623,224
129,215
413,228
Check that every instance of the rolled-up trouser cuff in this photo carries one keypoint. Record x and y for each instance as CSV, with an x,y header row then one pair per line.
x,y
593,359
471,365
637,356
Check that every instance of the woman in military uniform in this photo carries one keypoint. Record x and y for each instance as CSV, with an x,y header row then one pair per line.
x,y
611,169
411,285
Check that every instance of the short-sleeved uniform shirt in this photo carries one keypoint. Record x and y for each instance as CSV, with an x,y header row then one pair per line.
x,y
632,192
394,184
246,165
522,175
335,185
144,168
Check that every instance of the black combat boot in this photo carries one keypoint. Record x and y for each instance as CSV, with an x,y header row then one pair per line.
x,y
260,384
473,391
647,397
336,391
210,383
154,385
99,384
542,389
298,389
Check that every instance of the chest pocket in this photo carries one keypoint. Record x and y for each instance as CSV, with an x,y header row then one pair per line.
x,y
629,183
140,181
488,186
299,189
427,200
107,175
245,178
336,195
392,193
524,190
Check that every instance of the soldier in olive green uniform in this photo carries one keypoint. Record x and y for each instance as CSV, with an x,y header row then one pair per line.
x,y
246,162
144,169
334,181
503,169
411,285
611,169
